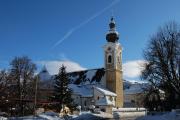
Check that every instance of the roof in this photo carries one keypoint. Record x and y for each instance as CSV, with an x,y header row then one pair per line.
x,y
105,91
92,77
83,91
135,88
87,76
44,74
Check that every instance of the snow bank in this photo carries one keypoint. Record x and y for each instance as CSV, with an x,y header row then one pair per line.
x,y
128,109
167,116
128,112
91,116
3,118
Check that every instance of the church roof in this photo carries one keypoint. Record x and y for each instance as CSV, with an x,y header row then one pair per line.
x,y
87,90
112,35
85,77
105,91
44,74
90,77
83,91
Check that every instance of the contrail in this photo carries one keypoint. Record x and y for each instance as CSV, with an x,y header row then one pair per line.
x,y
64,37
84,23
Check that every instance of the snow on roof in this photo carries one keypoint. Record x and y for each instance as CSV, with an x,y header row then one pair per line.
x,y
84,91
90,74
112,31
105,91
44,74
134,89
161,91
87,76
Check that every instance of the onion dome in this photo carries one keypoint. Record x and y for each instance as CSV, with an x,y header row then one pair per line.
x,y
112,35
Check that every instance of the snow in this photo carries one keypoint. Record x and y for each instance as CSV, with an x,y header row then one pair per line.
x,y
44,74
3,118
100,116
167,116
112,31
92,116
84,91
105,91
90,74
43,116
134,89
48,117
128,109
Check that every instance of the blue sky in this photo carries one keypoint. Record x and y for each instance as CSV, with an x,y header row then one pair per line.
x,y
34,27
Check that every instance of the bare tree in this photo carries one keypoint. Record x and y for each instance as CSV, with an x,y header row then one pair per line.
x,y
162,69
3,89
22,76
3,81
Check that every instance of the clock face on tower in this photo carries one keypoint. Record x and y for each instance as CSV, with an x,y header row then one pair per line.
x,y
109,49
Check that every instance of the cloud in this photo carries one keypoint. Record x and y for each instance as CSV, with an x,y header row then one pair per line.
x,y
70,32
53,66
132,69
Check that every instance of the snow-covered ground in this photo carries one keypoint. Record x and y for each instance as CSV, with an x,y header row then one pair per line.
x,y
43,116
3,118
167,116
101,116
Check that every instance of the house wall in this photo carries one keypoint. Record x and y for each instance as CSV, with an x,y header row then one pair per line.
x,y
101,95
97,94
76,99
134,100
107,109
86,102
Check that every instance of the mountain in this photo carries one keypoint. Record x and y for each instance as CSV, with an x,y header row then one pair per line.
x,y
91,77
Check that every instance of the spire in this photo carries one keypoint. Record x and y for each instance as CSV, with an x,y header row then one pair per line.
x,y
44,69
112,35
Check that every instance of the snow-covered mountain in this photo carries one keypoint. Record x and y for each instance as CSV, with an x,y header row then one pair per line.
x,y
92,76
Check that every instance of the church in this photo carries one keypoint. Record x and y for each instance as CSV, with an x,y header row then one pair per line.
x,y
101,87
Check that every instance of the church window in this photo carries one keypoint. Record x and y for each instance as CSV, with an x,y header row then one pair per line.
x,y
85,103
109,48
109,59
110,98
98,98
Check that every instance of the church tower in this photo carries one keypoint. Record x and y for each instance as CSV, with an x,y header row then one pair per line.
x,y
113,63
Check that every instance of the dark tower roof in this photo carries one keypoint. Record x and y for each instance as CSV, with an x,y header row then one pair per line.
x,y
112,35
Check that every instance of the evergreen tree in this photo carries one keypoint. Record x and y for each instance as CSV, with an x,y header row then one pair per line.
x,y
62,93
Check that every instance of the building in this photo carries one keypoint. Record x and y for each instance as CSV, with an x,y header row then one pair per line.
x,y
102,87
113,63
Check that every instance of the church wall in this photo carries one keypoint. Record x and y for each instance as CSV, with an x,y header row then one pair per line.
x,y
86,102
97,95
76,99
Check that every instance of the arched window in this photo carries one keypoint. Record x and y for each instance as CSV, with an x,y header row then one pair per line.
x,y
85,103
98,98
109,59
